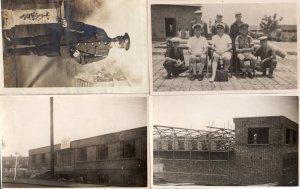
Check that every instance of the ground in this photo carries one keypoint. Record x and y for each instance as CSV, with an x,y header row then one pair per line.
x,y
285,75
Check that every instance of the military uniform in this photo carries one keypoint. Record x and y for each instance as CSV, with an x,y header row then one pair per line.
x,y
203,28
92,43
245,42
170,66
214,29
264,53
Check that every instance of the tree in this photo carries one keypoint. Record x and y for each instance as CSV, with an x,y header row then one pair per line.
x,y
270,24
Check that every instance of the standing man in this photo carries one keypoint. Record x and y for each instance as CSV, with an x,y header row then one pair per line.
x,y
221,45
198,20
174,59
219,19
85,43
267,56
197,48
234,32
244,46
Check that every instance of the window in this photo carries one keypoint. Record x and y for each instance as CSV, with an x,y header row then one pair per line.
x,y
43,158
128,180
258,135
33,158
295,137
170,144
103,179
66,158
82,154
287,136
180,144
128,149
194,144
102,152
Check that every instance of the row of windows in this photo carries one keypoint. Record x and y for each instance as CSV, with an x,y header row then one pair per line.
x,y
127,150
217,144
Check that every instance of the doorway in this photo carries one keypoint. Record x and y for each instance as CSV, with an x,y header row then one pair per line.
x,y
170,26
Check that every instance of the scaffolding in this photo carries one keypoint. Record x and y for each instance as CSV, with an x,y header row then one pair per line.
x,y
209,146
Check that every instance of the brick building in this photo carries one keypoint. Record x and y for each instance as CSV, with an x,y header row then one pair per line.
x,y
167,19
118,159
260,150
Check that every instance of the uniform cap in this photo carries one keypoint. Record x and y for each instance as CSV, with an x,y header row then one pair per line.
x,y
262,38
244,25
238,13
197,26
219,15
220,25
198,12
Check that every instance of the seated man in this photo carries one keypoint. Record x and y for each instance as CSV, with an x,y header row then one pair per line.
x,y
244,47
267,56
197,48
219,19
174,61
221,44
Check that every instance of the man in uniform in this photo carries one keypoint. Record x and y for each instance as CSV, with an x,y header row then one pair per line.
x,y
244,47
267,56
219,19
85,43
221,45
174,61
197,48
198,20
234,32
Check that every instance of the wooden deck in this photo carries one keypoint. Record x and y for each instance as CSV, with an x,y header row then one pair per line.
x,y
285,77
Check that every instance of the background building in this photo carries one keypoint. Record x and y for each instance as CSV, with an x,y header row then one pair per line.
x,y
167,19
118,159
260,150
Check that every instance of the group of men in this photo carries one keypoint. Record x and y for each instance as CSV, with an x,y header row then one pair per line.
x,y
226,43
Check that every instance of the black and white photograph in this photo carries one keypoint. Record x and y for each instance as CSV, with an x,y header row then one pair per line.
x,y
72,43
77,141
227,140
221,46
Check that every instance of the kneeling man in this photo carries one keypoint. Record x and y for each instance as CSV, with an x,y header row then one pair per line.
x,y
221,44
197,48
267,56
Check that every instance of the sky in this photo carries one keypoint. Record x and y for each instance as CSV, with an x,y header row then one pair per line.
x,y
251,12
197,112
25,121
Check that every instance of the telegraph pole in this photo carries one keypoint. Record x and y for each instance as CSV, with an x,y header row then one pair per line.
x,y
51,140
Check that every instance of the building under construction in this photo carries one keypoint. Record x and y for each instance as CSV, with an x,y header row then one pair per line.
x,y
115,159
259,150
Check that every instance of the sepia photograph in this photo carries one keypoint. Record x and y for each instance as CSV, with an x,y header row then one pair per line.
x,y
72,43
77,141
225,141
223,46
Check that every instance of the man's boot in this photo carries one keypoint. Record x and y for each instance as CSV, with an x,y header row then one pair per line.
x,y
20,51
270,74
244,75
264,73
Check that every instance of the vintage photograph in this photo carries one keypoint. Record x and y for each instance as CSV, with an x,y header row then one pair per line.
x,y
78,141
223,46
72,43
225,141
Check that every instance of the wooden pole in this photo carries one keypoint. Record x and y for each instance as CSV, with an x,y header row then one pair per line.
x,y
51,140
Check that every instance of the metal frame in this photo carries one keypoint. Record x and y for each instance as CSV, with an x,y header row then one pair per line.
x,y
218,140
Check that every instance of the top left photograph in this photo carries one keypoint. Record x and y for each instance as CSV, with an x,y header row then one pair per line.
x,y
73,46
